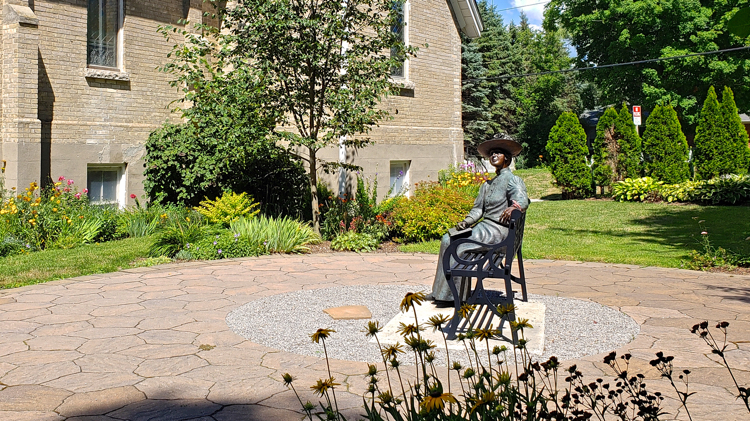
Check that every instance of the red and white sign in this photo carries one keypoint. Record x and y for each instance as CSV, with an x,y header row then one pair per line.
x,y
637,115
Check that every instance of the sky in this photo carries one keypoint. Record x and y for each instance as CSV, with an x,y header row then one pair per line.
x,y
535,12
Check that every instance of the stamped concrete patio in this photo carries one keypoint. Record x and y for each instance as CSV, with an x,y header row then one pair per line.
x,y
152,343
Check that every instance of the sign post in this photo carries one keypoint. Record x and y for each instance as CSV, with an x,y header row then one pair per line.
x,y
637,115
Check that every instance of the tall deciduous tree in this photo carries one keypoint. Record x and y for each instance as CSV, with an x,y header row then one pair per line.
x,y
613,31
568,156
325,67
665,148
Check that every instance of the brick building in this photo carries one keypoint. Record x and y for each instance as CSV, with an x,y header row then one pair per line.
x,y
80,92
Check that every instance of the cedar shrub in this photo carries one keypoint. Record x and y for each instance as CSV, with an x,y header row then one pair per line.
x,y
665,148
568,156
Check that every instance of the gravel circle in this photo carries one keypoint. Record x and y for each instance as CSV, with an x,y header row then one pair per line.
x,y
573,328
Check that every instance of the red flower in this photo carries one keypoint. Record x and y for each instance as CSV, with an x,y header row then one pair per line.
x,y
132,196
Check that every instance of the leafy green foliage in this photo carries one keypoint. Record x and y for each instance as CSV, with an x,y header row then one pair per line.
x,y
636,189
665,148
276,235
431,212
226,143
354,241
739,150
301,48
604,149
224,245
361,213
525,108
178,232
720,139
568,156
728,190
228,208
611,31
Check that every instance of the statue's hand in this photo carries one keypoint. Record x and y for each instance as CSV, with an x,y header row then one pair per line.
x,y
505,216
462,225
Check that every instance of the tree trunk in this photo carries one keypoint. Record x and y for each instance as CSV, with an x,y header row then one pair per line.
x,y
313,177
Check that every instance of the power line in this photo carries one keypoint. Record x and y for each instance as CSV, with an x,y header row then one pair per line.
x,y
629,63
521,7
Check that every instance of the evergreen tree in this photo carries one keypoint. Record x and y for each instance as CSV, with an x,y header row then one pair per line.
x,y
475,104
738,154
605,149
568,156
665,148
500,58
628,145
710,149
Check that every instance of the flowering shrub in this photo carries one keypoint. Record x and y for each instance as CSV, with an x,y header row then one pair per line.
x,y
57,216
466,178
227,208
431,212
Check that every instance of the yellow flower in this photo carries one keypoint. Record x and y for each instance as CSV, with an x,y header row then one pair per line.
x,y
58,201
54,209
322,387
436,399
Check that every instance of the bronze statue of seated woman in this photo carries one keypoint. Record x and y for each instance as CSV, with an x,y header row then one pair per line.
x,y
488,218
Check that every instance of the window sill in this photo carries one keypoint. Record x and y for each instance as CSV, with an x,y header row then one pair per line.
x,y
90,73
403,83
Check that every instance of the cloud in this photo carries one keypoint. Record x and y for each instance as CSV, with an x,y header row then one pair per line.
x,y
535,12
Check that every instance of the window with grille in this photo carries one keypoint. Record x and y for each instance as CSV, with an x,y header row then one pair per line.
x,y
399,29
104,21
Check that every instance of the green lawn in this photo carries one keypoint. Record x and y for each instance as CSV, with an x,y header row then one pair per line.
x,y
539,183
49,265
648,234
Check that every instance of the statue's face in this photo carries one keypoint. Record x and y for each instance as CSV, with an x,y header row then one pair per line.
x,y
498,158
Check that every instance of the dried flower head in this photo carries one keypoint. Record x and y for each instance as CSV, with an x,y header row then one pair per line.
x,y
412,299
321,334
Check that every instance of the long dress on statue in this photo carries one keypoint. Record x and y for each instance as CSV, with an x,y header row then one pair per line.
x,y
494,197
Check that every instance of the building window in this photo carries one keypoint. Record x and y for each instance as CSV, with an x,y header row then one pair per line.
x,y
104,23
106,184
399,178
399,29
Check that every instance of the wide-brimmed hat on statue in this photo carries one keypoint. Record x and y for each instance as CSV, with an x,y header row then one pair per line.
x,y
503,142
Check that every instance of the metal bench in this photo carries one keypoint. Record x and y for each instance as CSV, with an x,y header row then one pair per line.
x,y
481,261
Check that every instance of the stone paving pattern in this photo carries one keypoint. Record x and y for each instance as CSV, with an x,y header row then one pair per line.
x,y
152,343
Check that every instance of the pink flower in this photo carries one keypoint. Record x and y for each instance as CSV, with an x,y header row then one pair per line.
x,y
132,196
85,191
61,178
70,182
78,195
67,190
704,233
